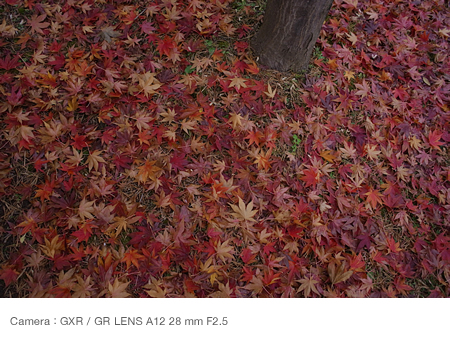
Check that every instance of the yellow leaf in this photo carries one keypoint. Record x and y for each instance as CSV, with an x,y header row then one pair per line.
x,y
256,285
72,105
26,132
348,74
327,155
51,248
308,285
236,120
415,143
224,251
237,83
244,213
85,209
338,275
148,83
372,151
7,30
444,32
352,38
88,29
93,160
118,289
270,92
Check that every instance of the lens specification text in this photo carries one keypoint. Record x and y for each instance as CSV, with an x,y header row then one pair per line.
x,y
121,321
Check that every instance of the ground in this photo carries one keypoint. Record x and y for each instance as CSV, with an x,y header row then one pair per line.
x,y
146,153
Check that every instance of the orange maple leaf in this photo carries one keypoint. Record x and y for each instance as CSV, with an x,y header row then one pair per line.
x,y
149,171
262,160
132,257
373,197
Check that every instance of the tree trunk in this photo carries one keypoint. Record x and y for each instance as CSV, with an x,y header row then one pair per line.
x,y
289,32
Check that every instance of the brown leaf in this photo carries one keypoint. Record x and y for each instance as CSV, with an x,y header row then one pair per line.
x,y
338,274
85,209
308,285
108,32
242,212
118,289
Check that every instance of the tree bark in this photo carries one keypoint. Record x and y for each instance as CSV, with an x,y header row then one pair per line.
x,y
289,32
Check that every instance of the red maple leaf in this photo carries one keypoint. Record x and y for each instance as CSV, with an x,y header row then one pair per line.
x,y
36,23
433,139
311,176
9,63
9,275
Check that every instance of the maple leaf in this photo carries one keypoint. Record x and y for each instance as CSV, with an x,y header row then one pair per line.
x,y
270,92
348,74
122,223
108,33
415,143
338,274
155,289
148,83
444,32
352,3
348,150
132,257
372,153
433,139
85,209
51,248
9,275
403,173
328,155
7,30
238,82
352,38
308,285
9,63
254,137
373,15
36,23
243,212
76,158
210,268
311,176
263,160
147,27
364,89
168,47
26,132
224,251
84,232
94,159
149,171
373,197
256,285
118,289
236,120
83,288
